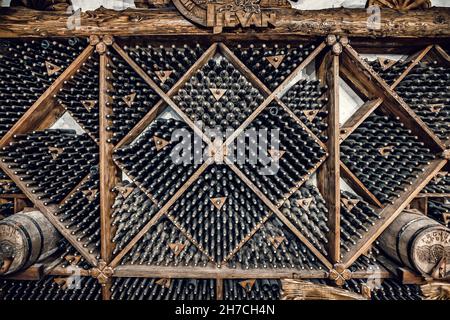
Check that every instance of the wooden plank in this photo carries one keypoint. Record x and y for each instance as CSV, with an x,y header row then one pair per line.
x,y
390,212
211,272
19,204
160,105
275,94
328,176
49,212
358,186
279,214
160,213
40,112
433,195
13,196
358,117
392,103
161,93
21,22
420,204
107,168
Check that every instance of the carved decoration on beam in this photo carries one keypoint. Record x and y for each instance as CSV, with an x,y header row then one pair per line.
x,y
400,4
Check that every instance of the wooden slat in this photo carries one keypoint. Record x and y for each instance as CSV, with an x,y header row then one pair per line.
x,y
390,212
160,105
211,272
279,214
40,112
391,101
160,213
358,117
328,176
433,195
34,272
49,213
161,93
358,186
219,289
163,22
107,168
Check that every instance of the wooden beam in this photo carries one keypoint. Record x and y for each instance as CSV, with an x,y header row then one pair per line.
x,y
328,176
390,212
21,22
358,186
49,212
219,289
34,272
107,168
40,113
212,272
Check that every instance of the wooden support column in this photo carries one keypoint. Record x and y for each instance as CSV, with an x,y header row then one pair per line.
x,y
328,175
219,289
107,168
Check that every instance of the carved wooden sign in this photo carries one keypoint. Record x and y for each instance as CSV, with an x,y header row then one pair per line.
x,y
219,14
433,252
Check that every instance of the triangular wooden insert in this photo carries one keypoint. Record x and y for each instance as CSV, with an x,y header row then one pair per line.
x,y
385,151
247,284
217,93
159,143
55,152
276,154
129,99
304,203
277,241
51,68
89,104
163,75
311,114
164,282
386,63
350,203
177,248
218,202
90,194
275,61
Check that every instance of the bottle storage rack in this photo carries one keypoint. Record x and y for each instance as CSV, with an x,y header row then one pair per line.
x,y
217,229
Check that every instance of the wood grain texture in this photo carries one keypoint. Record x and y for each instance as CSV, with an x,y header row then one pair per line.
x,y
41,113
434,22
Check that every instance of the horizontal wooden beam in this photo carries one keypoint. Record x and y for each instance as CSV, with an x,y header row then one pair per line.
x,y
20,22
212,272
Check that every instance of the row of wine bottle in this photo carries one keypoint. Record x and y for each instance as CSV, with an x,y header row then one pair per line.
x,y
308,101
218,96
164,64
385,156
7,186
426,90
50,162
80,96
439,210
272,64
27,68
388,70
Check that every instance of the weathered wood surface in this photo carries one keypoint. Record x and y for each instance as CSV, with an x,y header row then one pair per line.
x,y
304,290
19,22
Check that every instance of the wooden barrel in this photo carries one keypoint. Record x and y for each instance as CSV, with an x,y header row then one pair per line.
x,y
418,242
25,238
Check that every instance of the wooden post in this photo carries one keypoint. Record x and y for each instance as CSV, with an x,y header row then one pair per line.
x,y
219,289
107,170
328,175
